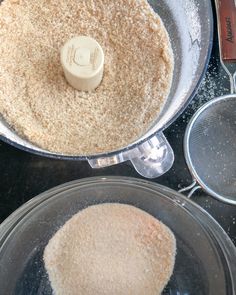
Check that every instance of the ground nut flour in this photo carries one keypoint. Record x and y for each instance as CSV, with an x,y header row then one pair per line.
x,y
110,249
41,106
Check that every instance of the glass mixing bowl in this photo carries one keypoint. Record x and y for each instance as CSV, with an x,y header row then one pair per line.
x,y
190,27
206,258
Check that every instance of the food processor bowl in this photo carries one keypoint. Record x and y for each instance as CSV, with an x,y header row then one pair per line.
x,y
190,27
206,257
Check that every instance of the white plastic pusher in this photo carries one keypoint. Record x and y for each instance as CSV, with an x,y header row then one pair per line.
x,y
82,59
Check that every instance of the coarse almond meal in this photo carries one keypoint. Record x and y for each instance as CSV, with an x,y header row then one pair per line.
x,y
41,106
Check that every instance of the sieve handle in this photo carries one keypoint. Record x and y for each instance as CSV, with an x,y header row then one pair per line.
x,y
191,189
226,12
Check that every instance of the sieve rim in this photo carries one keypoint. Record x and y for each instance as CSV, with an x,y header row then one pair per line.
x,y
187,153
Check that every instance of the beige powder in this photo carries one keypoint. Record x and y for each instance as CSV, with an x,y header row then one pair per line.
x,y
35,98
111,249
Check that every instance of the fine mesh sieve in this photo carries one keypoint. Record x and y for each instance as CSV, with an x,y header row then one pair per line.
x,y
210,148
210,139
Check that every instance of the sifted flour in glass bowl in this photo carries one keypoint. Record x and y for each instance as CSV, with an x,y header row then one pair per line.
x,y
110,249
42,107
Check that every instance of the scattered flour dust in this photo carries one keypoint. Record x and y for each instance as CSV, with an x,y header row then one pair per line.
x,y
213,85
35,98
111,249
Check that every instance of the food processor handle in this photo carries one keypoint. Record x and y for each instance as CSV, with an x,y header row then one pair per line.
x,y
150,159
156,159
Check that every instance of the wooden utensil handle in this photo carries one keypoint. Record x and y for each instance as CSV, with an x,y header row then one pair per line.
x,y
226,11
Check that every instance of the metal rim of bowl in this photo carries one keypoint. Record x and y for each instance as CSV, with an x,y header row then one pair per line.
x,y
187,153
132,146
199,214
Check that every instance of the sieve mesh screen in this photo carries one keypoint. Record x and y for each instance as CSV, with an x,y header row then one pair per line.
x,y
210,147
